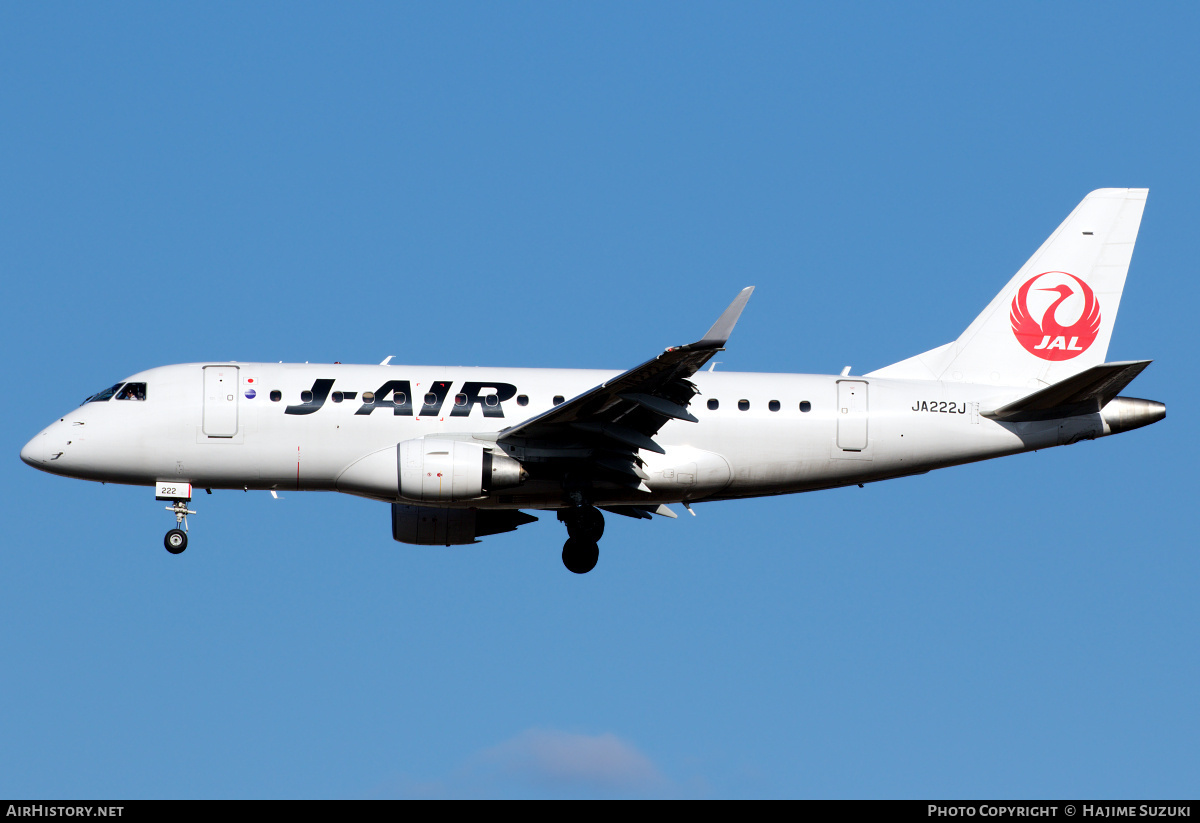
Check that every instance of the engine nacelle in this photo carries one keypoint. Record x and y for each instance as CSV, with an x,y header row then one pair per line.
x,y
430,470
432,526
440,470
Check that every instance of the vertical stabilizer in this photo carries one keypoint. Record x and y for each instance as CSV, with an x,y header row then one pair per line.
x,y
1055,318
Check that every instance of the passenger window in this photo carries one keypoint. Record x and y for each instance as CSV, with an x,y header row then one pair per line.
x,y
133,391
368,397
337,397
276,395
558,398
522,400
805,406
743,405
306,396
714,404
459,399
773,405
492,400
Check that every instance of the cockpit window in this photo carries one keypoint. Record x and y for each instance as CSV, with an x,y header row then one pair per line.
x,y
102,395
133,391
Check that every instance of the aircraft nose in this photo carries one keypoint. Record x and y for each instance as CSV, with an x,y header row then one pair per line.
x,y
34,452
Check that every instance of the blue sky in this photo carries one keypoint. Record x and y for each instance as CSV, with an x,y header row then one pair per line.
x,y
582,185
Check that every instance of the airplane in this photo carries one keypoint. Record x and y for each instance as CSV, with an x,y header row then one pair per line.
x,y
463,453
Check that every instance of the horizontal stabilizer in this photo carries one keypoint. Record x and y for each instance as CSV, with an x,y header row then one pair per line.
x,y
1083,393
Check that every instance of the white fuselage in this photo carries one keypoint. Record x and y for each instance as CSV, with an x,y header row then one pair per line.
x,y
217,426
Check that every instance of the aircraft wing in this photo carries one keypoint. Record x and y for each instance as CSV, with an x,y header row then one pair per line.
x,y
601,430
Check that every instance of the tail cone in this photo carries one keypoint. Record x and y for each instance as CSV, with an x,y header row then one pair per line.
x,y
1125,413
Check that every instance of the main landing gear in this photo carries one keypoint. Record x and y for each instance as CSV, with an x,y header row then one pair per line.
x,y
585,526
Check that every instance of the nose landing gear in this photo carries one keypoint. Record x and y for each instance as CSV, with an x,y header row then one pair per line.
x,y
585,526
179,494
176,539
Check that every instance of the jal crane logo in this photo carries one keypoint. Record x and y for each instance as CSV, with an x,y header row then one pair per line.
x,y
1046,336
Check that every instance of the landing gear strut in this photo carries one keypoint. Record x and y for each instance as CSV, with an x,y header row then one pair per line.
x,y
176,539
585,526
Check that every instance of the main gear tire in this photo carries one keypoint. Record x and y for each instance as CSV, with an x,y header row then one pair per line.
x,y
580,556
584,523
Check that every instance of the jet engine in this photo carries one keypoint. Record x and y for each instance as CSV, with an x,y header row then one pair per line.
x,y
448,470
430,470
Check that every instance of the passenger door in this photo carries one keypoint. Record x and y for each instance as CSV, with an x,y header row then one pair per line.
x,y
852,415
221,401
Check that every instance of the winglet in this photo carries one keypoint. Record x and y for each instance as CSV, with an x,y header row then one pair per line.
x,y
720,331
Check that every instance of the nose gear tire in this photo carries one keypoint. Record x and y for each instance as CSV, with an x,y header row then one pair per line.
x,y
175,541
